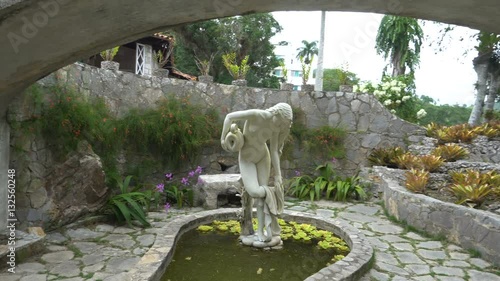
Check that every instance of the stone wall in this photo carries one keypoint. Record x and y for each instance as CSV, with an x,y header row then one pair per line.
x,y
471,228
368,123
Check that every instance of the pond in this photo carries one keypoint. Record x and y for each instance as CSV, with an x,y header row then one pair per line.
x,y
216,256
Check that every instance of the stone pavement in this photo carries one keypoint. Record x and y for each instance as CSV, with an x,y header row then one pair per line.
x,y
104,252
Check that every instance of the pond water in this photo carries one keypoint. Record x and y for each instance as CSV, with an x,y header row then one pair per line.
x,y
216,256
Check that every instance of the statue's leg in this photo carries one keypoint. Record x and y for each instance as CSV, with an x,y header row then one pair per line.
x,y
261,221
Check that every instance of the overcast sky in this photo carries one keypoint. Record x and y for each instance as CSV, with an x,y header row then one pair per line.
x,y
448,76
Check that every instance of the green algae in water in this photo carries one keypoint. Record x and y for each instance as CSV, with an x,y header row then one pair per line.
x,y
216,256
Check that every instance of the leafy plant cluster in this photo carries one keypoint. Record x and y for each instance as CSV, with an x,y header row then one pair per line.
x,y
327,184
237,71
175,130
472,187
131,203
290,230
109,54
395,94
462,133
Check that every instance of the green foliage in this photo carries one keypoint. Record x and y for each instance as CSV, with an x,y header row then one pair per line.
x,y
327,141
333,78
130,203
179,196
416,180
424,162
108,55
385,156
237,71
399,39
246,35
175,130
450,152
284,69
327,185
204,65
444,115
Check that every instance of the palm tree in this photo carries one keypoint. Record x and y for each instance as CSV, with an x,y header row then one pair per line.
x,y
400,39
307,51
306,56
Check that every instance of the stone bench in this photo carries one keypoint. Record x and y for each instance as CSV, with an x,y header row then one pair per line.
x,y
210,187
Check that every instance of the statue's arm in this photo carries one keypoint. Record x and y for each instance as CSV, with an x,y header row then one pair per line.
x,y
240,115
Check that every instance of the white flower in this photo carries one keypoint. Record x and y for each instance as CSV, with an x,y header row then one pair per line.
x,y
421,113
362,88
387,102
393,111
382,93
396,89
355,88
394,83
405,98
376,93
398,102
386,86
401,84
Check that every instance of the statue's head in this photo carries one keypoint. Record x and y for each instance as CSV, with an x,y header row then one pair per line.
x,y
282,110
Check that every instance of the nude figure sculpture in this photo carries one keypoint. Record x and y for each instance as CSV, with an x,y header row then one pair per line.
x,y
255,160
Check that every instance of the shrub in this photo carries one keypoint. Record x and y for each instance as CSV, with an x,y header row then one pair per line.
x,y
175,131
235,70
472,195
450,152
416,180
327,141
327,185
458,134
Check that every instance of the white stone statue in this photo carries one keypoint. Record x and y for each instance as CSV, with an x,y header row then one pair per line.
x,y
255,160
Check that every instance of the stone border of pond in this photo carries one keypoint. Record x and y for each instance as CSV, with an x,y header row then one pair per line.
x,y
153,264
468,227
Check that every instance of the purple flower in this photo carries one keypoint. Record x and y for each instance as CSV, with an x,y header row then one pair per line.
x,y
169,176
334,160
160,187
191,174
198,170
297,173
185,181
200,181
167,207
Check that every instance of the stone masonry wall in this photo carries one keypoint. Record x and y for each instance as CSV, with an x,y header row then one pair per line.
x,y
368,123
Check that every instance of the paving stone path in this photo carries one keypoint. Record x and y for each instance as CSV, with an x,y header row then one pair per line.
x,y
104,252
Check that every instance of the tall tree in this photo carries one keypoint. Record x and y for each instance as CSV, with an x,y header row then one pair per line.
x,y
399,39
306,56
319,69
487,68
245,35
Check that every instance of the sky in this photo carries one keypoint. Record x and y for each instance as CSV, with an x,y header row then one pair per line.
x,y
447,76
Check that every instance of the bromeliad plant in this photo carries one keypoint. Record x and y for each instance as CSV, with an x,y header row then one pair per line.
x,y
473,187
386,156
327,185
109,55
416,180
131,203
450,152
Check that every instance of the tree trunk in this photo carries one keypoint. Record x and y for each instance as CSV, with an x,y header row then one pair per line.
x,y
398,66
481,64
319,70
492,93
